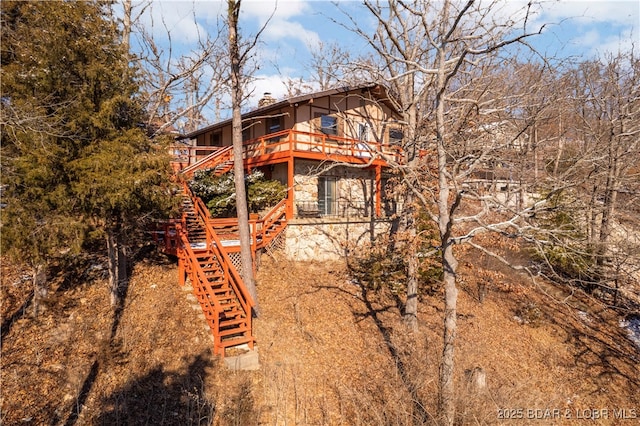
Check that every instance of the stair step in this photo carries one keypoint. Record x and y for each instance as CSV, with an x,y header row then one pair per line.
x,y
235,341
232,312
240,331
216,279
228,302
231,309
211,268
231,315
216,283
221,292
232,323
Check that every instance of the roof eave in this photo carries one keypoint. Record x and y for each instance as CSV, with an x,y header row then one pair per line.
x,y
296,100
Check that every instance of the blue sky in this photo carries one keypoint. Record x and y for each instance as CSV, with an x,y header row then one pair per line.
x,y
581,28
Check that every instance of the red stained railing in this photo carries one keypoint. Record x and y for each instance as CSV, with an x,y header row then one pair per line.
x,y
291,142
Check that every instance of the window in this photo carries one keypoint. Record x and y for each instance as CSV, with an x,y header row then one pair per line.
x,y
328,195
215,139
329,124
395,136
274,124
363,132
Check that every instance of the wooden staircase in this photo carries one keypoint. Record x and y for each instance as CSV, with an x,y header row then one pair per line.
x,y
194,225
223,297
217,285
221,161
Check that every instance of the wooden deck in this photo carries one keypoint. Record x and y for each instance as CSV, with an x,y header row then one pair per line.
x,y
281,146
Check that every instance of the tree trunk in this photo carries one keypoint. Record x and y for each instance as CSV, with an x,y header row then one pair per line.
x,y
126,26
411,305
117,267
246,254
610,198
409,213
446,400
39,279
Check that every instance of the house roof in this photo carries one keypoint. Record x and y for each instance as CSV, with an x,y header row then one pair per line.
x,y
379,91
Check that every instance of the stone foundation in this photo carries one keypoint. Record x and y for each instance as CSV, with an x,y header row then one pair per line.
x,y
321,239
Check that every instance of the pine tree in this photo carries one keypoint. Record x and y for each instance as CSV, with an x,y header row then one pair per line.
x,y
75,160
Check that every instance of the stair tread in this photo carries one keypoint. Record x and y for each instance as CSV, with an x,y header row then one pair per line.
x,y
231,323
218,300
235,341
232,331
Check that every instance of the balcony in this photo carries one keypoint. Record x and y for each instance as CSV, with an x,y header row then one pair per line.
x,y
277,147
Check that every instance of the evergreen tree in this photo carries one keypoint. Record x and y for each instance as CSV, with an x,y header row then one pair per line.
x,y
75,160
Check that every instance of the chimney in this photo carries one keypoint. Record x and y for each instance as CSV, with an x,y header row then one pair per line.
x,y
266,100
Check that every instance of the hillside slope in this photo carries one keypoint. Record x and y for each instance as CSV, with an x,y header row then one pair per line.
x,y
331,351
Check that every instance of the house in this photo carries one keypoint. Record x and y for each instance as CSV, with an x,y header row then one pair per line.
x,y
332,150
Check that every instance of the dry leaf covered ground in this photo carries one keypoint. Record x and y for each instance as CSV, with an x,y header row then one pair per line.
x,y
331,353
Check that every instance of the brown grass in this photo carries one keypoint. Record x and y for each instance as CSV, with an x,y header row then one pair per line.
x,y
331,352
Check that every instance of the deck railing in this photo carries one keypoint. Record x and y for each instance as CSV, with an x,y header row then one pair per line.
x,y
263,229
215,245
296,141
342,209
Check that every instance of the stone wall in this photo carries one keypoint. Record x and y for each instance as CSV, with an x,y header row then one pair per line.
x,y
332,238
320,239
354,185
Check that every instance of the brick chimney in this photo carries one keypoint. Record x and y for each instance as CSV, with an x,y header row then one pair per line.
x,y
267,99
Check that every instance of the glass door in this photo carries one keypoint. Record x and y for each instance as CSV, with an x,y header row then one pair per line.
x,y
328,195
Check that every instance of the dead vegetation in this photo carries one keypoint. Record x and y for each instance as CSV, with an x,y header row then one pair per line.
x,y
332,352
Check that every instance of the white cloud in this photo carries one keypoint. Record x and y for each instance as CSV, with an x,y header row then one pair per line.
x,y
280,30
282,15
592,27
273,84
281,9
621,12
185,21
623,42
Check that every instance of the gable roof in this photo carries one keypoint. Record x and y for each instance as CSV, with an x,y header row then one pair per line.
x,y
378,91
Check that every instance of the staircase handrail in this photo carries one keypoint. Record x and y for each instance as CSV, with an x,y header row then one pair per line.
x,y
212,160
276,213
213,242
195,265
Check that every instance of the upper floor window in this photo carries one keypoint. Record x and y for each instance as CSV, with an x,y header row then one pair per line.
x,y
395,136
329,124
215,139
363,132
274,124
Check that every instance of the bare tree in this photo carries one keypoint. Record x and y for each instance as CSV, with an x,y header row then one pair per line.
x,y
597,151
238,167
441,59
177,86
328,67
239,54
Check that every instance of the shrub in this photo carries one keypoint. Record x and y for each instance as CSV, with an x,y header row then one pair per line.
x,y
378,266
562,244
218,192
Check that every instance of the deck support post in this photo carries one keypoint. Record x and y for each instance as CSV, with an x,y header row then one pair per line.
x,y
290,183
182,273
378,191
